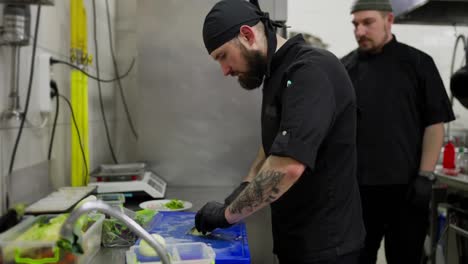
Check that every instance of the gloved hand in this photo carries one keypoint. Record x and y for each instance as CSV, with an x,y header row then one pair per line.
x,y
210,217
235,193
420,190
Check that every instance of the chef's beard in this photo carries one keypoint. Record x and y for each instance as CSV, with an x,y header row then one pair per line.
x,y
376,45
256,64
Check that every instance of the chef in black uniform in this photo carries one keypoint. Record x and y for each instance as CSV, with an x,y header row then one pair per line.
x,y
306,166
402,108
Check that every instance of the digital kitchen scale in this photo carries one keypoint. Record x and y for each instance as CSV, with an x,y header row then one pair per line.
x,y
129,179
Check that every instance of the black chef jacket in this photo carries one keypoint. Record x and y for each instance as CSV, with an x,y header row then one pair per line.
x,y
309,114
399,93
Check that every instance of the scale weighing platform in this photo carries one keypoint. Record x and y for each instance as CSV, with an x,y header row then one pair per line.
x,y
128,179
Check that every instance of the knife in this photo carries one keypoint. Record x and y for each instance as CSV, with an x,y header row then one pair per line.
x,y
194,232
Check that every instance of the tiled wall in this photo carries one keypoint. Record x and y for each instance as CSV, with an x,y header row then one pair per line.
x,y
54,38
330,20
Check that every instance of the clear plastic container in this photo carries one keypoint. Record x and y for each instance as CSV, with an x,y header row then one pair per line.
x,y
462,160
182,253
38,252
115,200
24,218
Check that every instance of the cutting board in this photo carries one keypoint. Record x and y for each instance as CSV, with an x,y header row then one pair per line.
x,y
230,244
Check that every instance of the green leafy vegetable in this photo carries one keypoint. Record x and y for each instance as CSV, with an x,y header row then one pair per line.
x,y
147,250
174,204
116,234
144,216
47,229
44,230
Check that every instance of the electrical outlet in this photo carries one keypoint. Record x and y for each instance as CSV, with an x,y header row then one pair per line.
x,y
42,77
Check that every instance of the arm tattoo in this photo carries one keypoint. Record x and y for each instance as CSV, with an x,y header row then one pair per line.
x,y
264,188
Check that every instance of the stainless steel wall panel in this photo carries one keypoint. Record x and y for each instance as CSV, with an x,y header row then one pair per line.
x,y
197,127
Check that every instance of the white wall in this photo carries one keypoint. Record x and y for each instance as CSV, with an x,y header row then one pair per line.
x,y
54,38
331,21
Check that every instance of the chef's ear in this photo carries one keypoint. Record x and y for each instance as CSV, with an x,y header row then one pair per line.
x,y
247,34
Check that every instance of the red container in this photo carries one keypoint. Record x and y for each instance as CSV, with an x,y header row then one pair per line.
x,y
449,156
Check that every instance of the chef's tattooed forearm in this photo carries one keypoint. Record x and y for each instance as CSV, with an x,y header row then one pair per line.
x,y
263,188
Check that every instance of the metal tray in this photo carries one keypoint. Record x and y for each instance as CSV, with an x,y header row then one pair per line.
x,y
109,170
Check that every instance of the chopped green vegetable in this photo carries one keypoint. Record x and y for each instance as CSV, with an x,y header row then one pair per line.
x,y
45,230
144,216
147,250
174,204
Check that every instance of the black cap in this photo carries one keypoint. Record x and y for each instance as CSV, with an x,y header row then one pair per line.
x,y
224,20
377,5
223,23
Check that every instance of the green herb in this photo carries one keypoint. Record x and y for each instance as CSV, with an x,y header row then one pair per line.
x,y
116,234
174,204
143,217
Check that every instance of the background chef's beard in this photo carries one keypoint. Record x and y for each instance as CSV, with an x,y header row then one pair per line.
x,y
375,47
256,64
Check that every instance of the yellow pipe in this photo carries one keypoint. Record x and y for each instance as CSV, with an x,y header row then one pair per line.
x,y
79,93
79,101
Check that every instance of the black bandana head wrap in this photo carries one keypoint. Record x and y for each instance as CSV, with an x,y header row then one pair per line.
x,y
223,23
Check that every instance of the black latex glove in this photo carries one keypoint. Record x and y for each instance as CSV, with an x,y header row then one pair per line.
x,y
210,217
419,193
235,193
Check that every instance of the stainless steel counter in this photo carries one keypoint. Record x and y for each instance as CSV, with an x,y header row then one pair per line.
x,y
258,225
459,182
447,184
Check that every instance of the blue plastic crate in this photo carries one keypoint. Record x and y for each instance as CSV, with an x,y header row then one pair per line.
x,y
230,244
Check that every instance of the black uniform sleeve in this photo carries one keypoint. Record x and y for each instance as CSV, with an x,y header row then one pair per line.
x,y
307,113
437,107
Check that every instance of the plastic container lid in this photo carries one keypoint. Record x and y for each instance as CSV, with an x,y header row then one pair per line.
x,y
180,253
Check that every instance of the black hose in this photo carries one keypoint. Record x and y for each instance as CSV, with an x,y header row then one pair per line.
x,y
116,69
101,103
78,134
26,105
56,61
54,93
28,96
